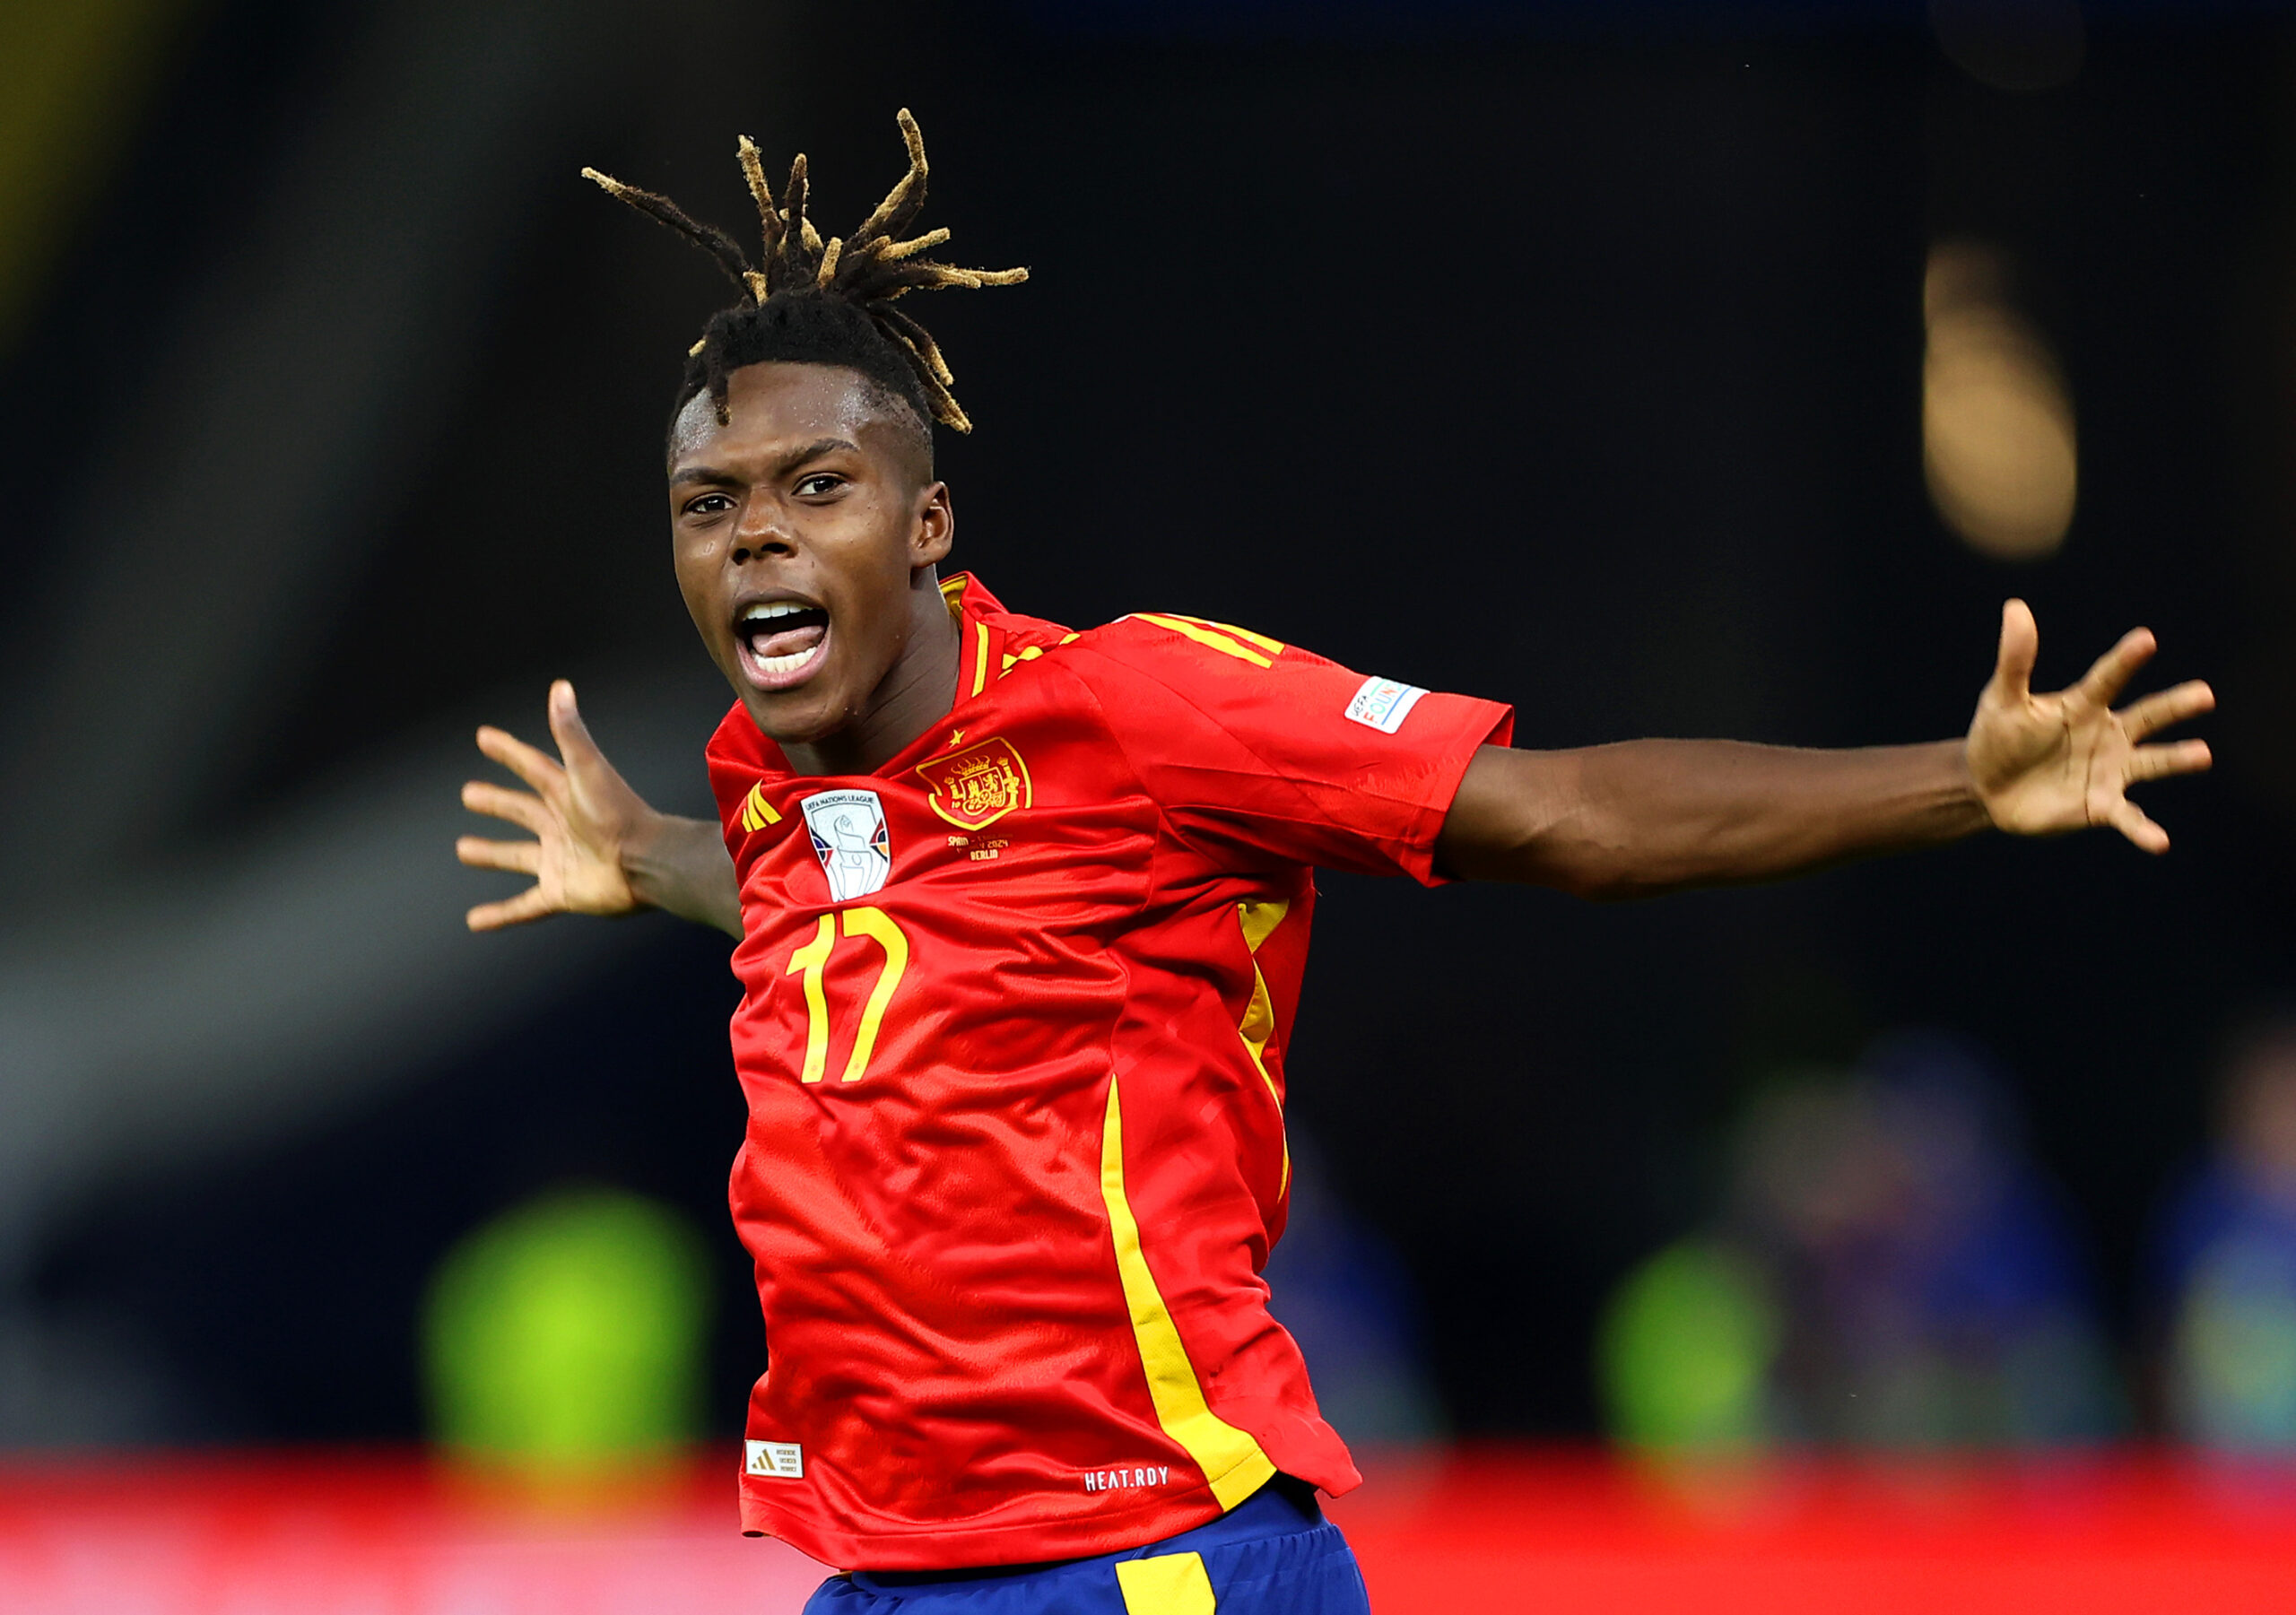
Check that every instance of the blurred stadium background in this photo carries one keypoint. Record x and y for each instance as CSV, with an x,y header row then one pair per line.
x,y
1924,1233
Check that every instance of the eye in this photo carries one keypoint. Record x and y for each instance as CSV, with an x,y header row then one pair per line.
x,y
708,504
819,482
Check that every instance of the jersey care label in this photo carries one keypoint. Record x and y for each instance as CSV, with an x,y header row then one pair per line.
x,y
850,839
1382,704
784,1460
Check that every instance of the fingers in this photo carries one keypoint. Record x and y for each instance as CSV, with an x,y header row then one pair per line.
x,y
566,725
528,904
547,776
2129,820
537,767
2111,672
2021,644
2157,712
600,787
2159,762
519,857
500,801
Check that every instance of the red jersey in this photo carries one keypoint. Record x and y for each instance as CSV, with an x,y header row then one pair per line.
x,y
1012,1037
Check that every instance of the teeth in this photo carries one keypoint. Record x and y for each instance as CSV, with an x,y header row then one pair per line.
x,y
796,659
766,609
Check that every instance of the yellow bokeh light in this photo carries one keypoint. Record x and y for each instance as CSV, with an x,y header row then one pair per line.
x,y
1996,424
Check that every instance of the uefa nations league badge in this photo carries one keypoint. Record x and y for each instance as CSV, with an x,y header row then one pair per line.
x,y
850,837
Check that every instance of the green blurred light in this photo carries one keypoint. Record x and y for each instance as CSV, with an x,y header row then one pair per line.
x,y
2234,1360
1685,1350
569,1333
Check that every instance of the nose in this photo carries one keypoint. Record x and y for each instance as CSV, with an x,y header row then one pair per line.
x,y
761,533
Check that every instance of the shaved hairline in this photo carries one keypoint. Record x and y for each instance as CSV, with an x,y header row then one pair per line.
x,y
885,399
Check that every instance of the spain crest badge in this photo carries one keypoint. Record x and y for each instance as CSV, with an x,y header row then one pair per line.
x,y
977,786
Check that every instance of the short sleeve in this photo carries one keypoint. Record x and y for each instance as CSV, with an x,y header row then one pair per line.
x,y
1255,747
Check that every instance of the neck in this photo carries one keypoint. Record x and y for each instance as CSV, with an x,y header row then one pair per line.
x,y
916,694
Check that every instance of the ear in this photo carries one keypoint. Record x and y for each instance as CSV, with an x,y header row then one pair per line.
x,y
934,533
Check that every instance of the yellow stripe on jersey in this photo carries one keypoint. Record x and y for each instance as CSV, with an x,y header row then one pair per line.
x,y
1259,920
757,812
1232,1464
1273,647
1171,1583
981,659
1013,658
1258,1024
1206,634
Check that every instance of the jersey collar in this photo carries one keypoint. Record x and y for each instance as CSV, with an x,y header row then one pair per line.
x,y
980,635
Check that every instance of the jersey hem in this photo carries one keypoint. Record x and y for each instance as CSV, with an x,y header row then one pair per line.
x,y
1498,731
907,1546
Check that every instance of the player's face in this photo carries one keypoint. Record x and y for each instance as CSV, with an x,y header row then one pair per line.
x,y
806,531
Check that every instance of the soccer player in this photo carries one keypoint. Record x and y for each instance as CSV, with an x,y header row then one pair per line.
x,y
1022,914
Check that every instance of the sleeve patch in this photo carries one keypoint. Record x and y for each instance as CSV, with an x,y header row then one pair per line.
x,y
1382,704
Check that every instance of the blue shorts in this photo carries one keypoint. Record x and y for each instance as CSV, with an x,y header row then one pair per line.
x,y
1273,1554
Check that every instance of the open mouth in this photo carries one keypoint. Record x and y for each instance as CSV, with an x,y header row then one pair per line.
x,y
780,640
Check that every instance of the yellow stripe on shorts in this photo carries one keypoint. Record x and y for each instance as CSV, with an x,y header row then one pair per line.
x,y
1171,1583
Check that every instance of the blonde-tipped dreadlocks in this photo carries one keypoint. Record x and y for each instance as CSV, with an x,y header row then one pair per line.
x,y
827,303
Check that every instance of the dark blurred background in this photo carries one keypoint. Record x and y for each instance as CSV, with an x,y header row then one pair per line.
x,y
1662,369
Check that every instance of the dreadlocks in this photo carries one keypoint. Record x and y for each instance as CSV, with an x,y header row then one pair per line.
x,y
814,303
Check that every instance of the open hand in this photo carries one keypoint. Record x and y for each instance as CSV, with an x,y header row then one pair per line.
x,y
583,816
2043,764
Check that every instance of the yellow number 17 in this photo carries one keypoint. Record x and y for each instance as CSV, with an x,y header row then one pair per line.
x,y
813,958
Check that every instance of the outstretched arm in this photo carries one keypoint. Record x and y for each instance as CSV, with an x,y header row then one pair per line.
x,y
1653,816
598,848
